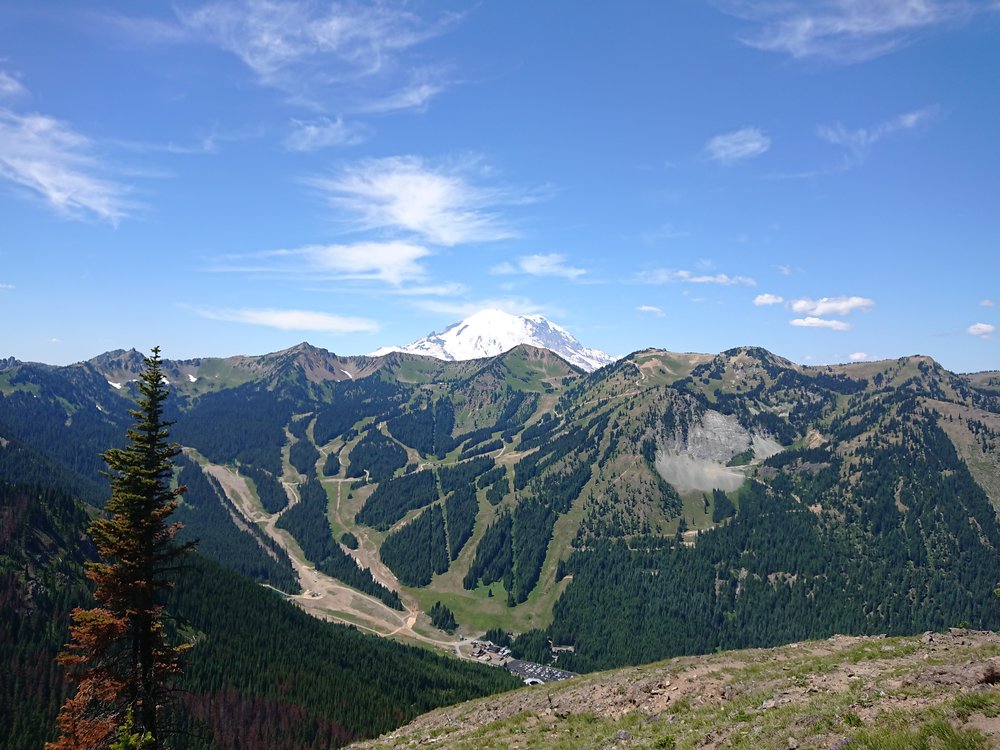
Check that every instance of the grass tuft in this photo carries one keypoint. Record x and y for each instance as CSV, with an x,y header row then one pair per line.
x,y
936,734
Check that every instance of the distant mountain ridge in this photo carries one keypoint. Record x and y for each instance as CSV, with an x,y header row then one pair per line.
x,y
491,332
203,374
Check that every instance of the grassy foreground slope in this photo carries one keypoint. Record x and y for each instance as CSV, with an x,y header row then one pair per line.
x,y
938,690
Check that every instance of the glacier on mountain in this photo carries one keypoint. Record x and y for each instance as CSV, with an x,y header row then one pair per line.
x,y
491,332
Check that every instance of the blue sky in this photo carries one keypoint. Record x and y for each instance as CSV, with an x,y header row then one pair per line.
x,y
818,178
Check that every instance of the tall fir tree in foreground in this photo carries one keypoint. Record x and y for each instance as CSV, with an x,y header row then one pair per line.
x,y
118,655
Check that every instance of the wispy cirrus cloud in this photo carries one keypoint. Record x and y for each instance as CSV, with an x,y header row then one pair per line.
x,y
652,310
762,300
10,86
395,263
355,53
49,159
846,31
291,320
463,309
551,264
729,148
7,286
987,303
840,306
208,142
982,330
414,95
814,322
323,132
407,194
443,289
860,141
669,276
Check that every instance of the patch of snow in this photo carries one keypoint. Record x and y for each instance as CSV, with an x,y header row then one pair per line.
x,y
192,378
116,386
347,374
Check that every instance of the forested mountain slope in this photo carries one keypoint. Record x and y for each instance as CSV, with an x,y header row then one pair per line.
x,y
261,673
665,504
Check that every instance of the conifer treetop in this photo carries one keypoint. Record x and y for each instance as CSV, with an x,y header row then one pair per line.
x,y
118,654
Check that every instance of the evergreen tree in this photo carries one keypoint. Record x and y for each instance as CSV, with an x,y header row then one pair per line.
x,y
443,618
118,654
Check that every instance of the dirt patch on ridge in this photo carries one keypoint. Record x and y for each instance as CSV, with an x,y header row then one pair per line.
x,y
864,676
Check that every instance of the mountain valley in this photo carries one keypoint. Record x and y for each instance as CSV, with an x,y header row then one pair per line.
x,y
663,505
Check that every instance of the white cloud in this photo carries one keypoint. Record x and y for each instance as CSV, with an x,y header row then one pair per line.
x,y
460,309
785,270
6,286
847,31
552,264
10,86
147,31
55,340
667,276
412,96
832,305
982,330
987,303
768,299
205,142
314,49
404,193
292,320
50,159
446,289
738,145
860,141
652,310
858,357
812,322
313,135
391,262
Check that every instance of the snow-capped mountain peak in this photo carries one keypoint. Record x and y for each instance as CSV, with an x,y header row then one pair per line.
x,y
491,332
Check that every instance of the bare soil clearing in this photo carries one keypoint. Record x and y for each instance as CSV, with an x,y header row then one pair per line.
x,y
323,596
